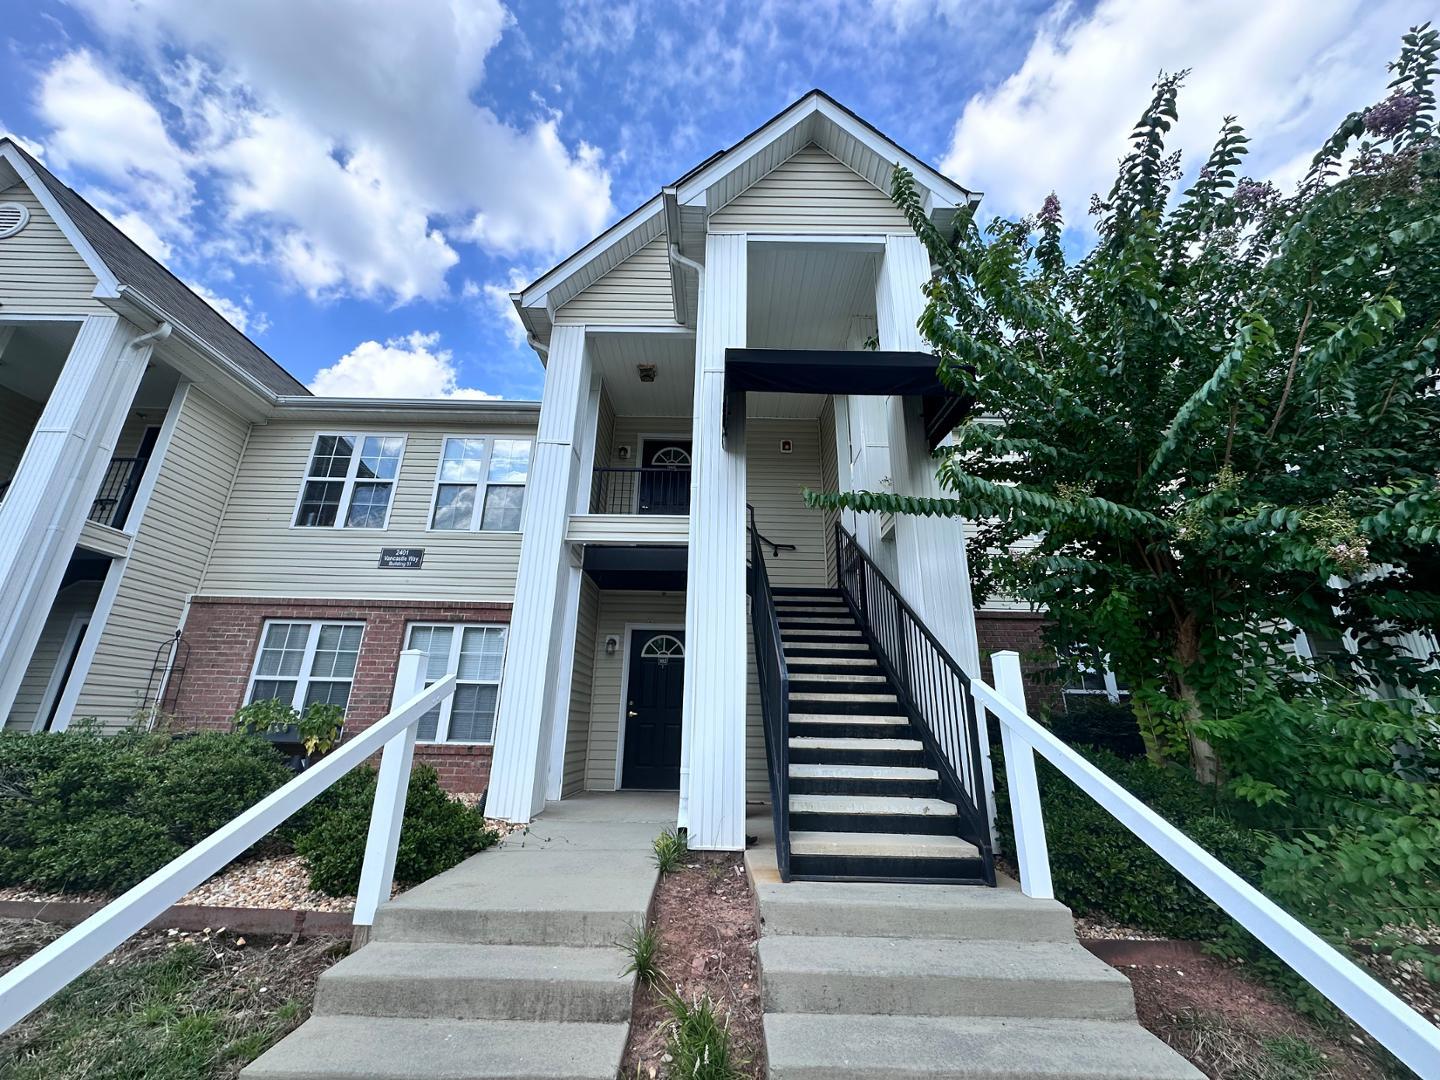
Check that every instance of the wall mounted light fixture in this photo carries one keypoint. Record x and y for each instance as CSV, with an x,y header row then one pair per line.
x,y
612,644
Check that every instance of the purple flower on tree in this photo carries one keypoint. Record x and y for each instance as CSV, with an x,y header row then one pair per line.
x,y
1251,193
1049,211
1391,116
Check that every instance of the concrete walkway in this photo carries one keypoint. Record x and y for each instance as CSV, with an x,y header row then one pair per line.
x,y
877,981
505,966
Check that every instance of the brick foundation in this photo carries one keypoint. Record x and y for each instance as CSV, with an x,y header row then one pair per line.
x,y
1020,631
224,634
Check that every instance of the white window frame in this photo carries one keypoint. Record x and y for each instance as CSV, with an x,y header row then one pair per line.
x,y
349,480
452,667
307,662
481,486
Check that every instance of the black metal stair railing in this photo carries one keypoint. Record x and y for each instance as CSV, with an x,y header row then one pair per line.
x,y
774,679
933,688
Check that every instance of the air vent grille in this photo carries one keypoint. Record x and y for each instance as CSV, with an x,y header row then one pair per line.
x,y
13,218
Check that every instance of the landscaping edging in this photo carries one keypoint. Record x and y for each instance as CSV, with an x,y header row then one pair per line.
x,y
1148,952
195,917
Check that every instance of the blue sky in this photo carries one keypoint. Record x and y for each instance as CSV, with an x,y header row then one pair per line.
x,y
358,185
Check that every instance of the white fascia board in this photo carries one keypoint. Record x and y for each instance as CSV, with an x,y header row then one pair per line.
x,y
451,410
536,294
691,192
945,192
107,285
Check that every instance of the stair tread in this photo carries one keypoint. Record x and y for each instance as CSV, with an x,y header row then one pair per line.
x,y
848,661
824,695
861,772
851,1047
821,742
839,677
881,845
843,646
446,960
378,1048
871,804
878,720
929,959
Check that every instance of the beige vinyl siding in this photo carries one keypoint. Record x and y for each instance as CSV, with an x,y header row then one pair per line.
x,y
636,292
617,609
76,599
40,272
773,486
577,735
18,416
260,552
811,192
167,559
632,431
757,777
829,481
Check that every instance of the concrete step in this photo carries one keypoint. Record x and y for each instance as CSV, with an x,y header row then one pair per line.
x,y
523,893
865,909
880,805
878,773
477,982
851,678
847,749
870,698
880,846
938,977
372,1048
879,723
823,648
859,662
846,1047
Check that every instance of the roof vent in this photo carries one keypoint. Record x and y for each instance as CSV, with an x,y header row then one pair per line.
x,y
13,217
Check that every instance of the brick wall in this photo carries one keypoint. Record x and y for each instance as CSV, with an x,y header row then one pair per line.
x,y
224,634
1019,631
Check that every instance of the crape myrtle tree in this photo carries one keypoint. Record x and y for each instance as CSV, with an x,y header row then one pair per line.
x,y
1219,425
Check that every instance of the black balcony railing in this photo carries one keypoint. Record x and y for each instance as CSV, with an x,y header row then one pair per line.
x,y
117,491
654,490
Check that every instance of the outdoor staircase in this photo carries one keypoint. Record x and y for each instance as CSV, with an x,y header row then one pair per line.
x,y
865,802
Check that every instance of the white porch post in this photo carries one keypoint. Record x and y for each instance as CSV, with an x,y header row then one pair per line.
x,y
49,499
573,573
934,574
519,771
713,757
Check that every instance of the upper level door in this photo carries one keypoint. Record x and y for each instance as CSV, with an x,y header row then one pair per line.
x,y
665,477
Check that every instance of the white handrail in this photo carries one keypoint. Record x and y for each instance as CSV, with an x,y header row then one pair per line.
x,y
1392,1023
54,967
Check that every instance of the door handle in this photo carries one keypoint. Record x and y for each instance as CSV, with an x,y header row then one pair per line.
x,y
632,712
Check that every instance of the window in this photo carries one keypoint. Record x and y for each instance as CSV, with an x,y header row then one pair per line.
x,y
350,481
301,663
475,656
481,484
1087,680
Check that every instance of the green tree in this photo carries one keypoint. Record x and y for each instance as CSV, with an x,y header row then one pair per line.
x,y
1219,424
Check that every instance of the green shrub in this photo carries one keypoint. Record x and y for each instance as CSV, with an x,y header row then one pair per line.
x,y
79,810
1101,868
438,832
1099,723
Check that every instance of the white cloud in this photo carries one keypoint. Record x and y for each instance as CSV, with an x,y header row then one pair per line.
x,y
413,366
238,313
103,124
1290,70
496,298
347,148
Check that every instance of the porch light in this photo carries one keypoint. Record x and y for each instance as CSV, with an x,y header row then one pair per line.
x,y
612,643
647,372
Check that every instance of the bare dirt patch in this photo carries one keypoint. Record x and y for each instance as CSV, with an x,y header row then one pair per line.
x,y
705,915
1232,1028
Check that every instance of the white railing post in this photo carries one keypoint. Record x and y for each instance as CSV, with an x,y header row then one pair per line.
x,y
1032,851
377,874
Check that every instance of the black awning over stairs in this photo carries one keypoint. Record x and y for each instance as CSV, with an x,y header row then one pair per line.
x,y
842,371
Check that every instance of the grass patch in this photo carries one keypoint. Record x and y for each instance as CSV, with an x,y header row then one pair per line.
x,y
164,1007
670,851
643,950
698,1041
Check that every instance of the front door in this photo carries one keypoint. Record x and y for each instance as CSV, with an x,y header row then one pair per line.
x,y
652,710
665,477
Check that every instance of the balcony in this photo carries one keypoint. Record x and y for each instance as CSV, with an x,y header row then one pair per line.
x,y
649,505
117,491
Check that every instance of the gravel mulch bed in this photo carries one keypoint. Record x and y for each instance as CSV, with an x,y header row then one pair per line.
x,y
705,914
1232,1028
1099,928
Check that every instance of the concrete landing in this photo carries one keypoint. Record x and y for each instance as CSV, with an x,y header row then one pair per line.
x,y
891,981
505,965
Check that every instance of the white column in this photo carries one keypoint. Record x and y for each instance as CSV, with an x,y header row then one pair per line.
x,y
49,499
713,761
560,723
519,773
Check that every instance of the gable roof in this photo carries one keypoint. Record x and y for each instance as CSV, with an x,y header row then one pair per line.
x,y
127,265
681,210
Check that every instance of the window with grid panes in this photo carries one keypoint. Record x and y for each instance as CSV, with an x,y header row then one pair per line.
x,y
475,655
301,663
350,481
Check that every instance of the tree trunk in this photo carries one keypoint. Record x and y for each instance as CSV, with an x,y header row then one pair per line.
x,y
1187,652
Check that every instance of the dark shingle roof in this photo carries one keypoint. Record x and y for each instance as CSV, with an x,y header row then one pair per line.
x,y
133,267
